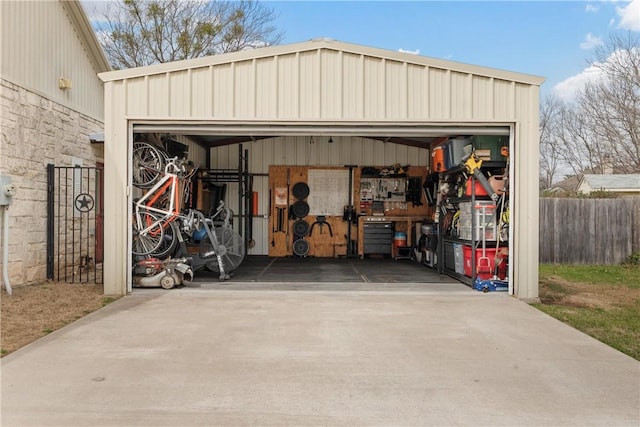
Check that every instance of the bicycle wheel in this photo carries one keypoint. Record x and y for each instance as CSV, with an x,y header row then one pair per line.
x,y
147,236
169,242
230,248
148,164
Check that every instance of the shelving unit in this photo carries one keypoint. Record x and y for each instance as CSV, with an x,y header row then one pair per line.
x,y
472,240
244,181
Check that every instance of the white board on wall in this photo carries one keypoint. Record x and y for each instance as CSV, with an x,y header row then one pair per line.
x,y
328,191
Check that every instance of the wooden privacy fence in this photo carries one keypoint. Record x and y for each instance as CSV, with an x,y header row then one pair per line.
x,y
589,231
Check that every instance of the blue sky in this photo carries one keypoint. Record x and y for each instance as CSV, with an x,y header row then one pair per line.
x,y
553,39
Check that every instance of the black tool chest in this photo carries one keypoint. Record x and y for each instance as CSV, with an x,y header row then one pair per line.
x,y
378,237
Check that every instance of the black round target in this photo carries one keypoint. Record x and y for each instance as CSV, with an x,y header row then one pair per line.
x,y
300,190
301,228
301,247
300,209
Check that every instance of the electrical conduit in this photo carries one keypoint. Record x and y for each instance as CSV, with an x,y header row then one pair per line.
x,y
5,250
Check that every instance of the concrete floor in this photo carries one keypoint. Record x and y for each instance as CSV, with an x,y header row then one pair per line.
x,y
309,273
327,354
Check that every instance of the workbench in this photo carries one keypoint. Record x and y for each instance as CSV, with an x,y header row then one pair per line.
x,y
399,224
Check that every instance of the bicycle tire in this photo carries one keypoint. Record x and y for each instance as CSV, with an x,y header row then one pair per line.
x,y
169,242
148,164
147,243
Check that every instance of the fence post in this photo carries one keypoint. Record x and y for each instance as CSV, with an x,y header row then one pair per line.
x,y
50,218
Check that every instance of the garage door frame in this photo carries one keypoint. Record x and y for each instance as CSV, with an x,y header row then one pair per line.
x,y
314,128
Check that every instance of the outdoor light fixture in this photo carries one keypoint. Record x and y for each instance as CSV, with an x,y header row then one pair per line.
x,y
330,140
64,83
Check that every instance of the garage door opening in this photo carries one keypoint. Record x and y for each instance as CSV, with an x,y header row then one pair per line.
x,y
320,205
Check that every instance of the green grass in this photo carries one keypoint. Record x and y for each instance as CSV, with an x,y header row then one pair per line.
x,y
594,274
618,328
616,322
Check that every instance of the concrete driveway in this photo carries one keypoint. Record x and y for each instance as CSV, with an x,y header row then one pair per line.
x,y
436,355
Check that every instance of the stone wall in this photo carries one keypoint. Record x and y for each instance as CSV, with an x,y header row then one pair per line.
x,y
35,131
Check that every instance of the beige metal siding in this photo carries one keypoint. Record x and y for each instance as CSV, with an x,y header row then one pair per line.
x,y
39,44
223,91
266,91
525,202
330,85
352,86
417,91
288,85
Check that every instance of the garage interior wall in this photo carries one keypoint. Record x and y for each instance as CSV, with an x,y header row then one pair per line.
x,y
322,83
305,151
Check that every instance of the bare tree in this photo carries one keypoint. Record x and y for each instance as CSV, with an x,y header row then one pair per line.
x,y
601,130
611,105
550,140
139,32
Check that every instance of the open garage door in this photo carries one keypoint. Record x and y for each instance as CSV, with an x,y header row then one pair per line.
x,y
319,152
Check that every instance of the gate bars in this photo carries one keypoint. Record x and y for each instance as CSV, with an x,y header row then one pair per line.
x,y
74,224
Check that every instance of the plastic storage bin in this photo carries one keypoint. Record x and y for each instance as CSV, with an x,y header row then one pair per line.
x,y
488,147
455,149
458,256
485,264
485,220
449,256
497,183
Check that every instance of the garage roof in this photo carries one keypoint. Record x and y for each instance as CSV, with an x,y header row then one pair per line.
x,y
323,43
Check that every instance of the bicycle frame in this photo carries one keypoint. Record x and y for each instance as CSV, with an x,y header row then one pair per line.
x,y
169,182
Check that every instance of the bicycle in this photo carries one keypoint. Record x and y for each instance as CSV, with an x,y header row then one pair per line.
x,y
156,234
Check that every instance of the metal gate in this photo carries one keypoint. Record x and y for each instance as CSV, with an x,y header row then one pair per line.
x,y
74,224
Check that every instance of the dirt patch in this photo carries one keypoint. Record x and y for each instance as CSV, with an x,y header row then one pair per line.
x,y
37,310
555,290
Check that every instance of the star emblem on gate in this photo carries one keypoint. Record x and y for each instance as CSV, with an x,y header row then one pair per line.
x,y
84,202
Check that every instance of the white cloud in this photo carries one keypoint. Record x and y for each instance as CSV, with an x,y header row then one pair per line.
x,y
590,41
567,89
590,8
629,16
414,52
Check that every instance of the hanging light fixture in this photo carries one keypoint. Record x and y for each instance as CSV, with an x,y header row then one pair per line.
x,y
330,140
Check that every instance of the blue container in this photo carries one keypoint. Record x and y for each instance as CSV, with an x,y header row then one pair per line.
x,y
455,150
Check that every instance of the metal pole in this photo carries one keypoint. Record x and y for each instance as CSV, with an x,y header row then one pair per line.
x,y
50,219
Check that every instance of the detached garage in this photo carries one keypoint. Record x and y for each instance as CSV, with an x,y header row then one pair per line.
x,y
331,149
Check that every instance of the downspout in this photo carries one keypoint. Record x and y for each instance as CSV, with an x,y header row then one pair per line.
x,y
5,250
7,191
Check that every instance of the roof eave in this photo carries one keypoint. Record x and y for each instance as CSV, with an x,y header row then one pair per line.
x,y
81,21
